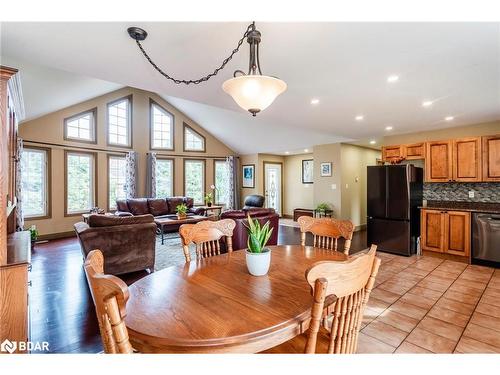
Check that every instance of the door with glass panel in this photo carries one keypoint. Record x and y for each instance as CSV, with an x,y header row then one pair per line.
x,y
272,186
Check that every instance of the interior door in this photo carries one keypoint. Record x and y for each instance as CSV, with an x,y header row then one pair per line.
x,y
272,186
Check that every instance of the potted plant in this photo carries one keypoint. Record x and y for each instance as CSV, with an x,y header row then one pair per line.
x,y
322,208
209,199
258,257
181,210
33,235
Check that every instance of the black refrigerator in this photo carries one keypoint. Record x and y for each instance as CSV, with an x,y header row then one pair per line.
x,y
394,193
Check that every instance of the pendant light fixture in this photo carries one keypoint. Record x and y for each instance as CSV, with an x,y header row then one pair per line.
x,y
252,91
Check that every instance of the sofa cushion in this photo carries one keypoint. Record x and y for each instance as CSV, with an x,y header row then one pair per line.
x,y
254,200
138,206
158,206
189,202
121,205
111,220
173,202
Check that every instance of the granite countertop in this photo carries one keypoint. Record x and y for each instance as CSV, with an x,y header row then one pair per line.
x,y
490,207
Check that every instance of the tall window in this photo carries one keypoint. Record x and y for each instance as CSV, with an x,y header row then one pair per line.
x,y
193,141
119,122
81,127
164,178
194,180
162,128
221,170
80,182
116,180
35,182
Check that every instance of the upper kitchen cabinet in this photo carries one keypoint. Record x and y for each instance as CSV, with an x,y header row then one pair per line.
x,y
491,158
415,151
439,161
393,152
467,160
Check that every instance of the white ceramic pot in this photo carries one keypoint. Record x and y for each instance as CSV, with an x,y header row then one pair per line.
x,y
258,263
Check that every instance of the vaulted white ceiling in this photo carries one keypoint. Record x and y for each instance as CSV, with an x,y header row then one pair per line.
x,y
344,65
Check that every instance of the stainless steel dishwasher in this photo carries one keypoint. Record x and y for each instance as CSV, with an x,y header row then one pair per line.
x,y
486,238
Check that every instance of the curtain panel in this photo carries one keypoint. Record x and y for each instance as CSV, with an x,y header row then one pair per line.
x,y
234,183
131,174
151,175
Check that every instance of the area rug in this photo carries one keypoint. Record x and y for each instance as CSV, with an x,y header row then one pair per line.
x,y
170,253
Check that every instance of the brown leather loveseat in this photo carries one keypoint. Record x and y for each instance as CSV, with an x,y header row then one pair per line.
x,y
127,243
263,215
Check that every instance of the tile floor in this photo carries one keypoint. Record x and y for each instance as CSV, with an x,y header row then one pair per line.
x,y
429,305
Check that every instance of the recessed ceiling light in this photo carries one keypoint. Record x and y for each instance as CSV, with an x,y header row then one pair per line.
x,y
306,150
287,152
449,118
427,103
393,78
359,118
314,101
388,128
373,142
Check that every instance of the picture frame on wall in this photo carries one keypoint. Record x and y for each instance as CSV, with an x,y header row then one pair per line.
x,y
326,169
248,176
308,171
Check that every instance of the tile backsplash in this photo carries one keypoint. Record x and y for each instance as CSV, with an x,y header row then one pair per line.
x,y
459,191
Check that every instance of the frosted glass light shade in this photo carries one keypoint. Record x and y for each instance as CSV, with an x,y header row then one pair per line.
x,y
254,93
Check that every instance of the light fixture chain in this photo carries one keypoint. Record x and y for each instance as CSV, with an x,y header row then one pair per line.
x,y
207,77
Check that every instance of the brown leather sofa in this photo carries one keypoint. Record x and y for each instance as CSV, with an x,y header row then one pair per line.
x,y
263,215
127,243
158,207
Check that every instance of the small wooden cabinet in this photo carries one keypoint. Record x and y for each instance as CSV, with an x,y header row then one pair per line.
x,y
415,151
467,160
392,152
491,158
446,232
438,161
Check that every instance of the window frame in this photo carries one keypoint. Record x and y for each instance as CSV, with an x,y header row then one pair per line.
x,y
151,124
172,160
94,187
110,156
93,111
186,126
48,183
204,163
129,99
215,174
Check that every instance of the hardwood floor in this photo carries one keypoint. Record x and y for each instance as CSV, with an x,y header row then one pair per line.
x,y
419,305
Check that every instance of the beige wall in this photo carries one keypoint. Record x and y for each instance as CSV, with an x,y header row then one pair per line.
x,y
354,161
474,130
297,194
328,189
49,129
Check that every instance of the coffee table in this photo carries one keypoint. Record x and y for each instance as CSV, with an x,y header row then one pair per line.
x,y
165,222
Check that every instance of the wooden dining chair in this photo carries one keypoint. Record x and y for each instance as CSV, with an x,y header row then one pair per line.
x,y
207,235
351,282
110,295
326,232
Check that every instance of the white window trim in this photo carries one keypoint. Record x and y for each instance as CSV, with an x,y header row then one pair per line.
x,y
93,173
47,212
186,128
128,99
217,161
203,163
152,103
110,157
93,126
172,163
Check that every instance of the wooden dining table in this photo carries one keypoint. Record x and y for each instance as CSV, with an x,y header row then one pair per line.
x,y
214,305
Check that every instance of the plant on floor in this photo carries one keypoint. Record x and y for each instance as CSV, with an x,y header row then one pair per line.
x,y
33,236
181,210
323,207
209,199
257,235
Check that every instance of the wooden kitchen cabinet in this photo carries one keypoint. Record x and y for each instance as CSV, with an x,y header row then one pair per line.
x,y
438,161
392,152
491,158
432,231
467,160
415,151
446,232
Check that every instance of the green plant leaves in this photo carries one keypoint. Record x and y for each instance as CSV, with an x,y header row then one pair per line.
x,y
257,235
